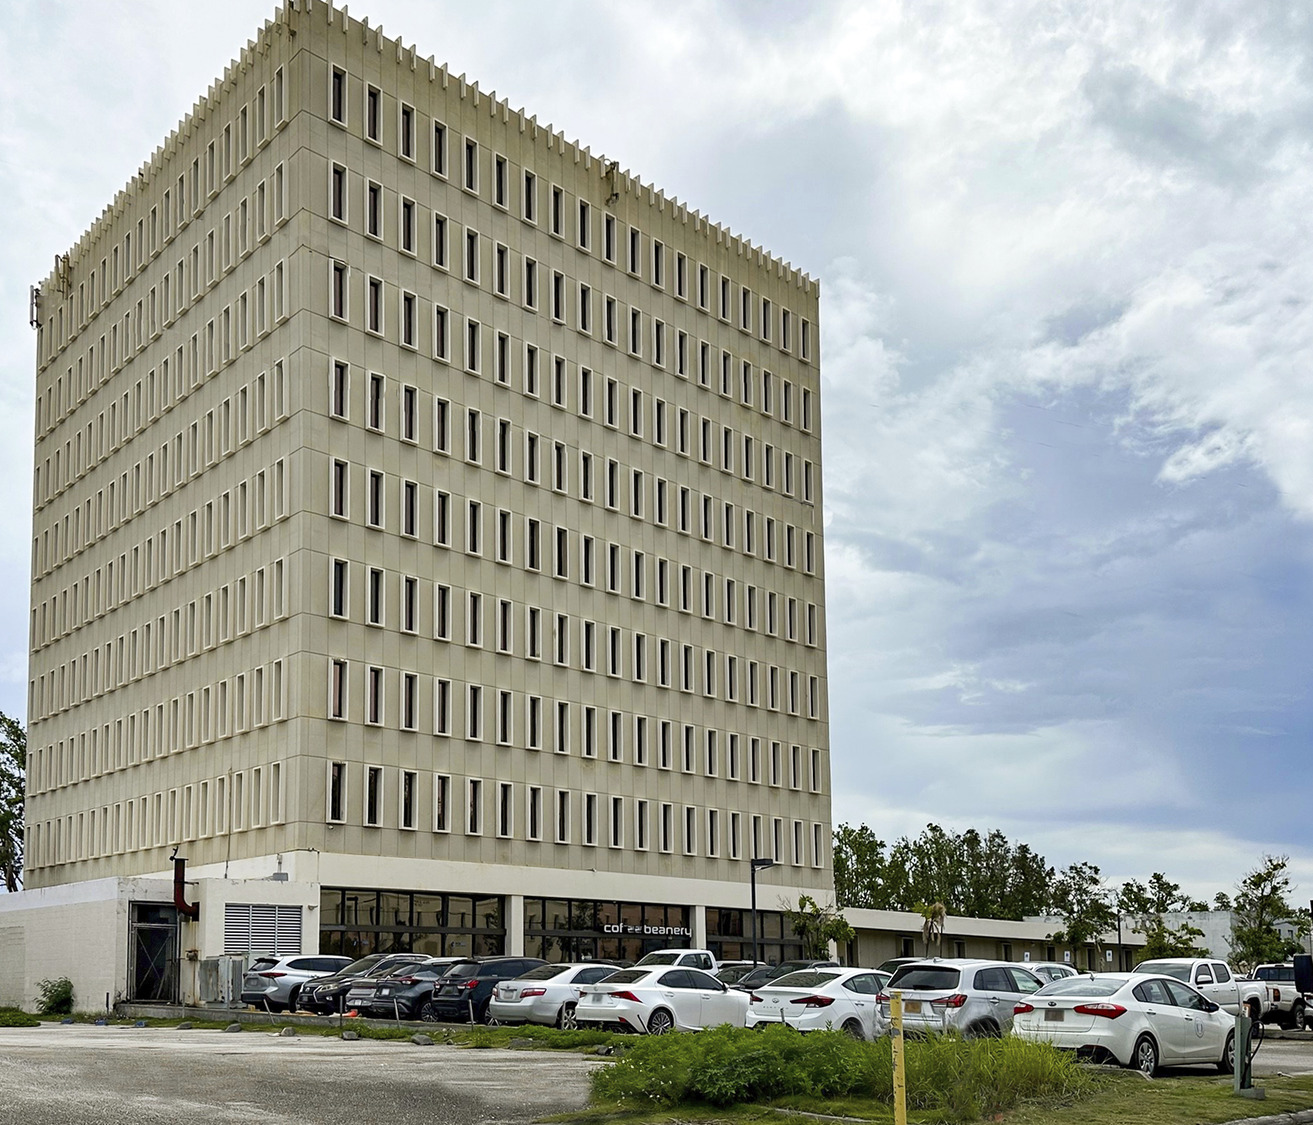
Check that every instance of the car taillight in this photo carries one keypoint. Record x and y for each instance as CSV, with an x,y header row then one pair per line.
x,y
273,976
1107,1011
954,1001
625,995
534,992
471,984
753,998
813,1001
405,980
882,998
1022,1008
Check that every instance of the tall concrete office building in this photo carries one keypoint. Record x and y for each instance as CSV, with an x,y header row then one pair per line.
x,y
427,533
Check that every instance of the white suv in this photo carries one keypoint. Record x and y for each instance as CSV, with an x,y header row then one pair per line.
x,y
974,998
274,983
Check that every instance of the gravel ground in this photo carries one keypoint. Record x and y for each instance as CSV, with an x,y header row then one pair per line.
x,y
79,1075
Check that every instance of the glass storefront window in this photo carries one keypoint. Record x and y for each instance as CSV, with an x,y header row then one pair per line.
x,y
429,912
330,908
393,910
356,921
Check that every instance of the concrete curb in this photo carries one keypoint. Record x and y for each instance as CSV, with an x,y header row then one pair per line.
x,y
1298,1117
268,1019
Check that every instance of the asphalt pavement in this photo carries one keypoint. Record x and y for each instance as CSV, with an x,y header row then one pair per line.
x,y
85,1075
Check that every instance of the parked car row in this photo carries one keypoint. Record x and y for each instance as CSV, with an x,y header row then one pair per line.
x,y
1155,1016
1159,1014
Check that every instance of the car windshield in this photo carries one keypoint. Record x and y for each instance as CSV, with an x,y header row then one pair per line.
x,y
659,959
1081,986
629,976
1165,969
359,966
733,973
544,972
385,965
808,978
1276,972
401,968
925,976
262,963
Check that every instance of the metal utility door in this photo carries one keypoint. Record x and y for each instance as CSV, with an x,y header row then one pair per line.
x,y
153,953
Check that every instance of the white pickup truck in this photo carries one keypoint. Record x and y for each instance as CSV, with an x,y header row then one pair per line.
x,y
694,958
1215,980
1286,1005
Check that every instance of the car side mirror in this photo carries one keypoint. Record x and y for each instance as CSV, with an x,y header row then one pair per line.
x,y
1209,1006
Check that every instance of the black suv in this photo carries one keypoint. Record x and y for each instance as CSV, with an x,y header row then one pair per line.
x,y
465,990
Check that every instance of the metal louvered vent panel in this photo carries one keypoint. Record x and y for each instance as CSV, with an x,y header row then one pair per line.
x,y
253,927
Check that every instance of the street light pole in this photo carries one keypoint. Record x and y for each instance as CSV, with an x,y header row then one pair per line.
x,y
756,865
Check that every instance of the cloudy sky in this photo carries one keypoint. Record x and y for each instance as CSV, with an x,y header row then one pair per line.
x,y
1066,276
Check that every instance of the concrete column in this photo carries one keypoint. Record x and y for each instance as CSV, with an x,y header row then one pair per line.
x,y
699,927
515,925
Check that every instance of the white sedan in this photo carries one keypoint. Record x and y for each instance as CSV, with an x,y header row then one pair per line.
x,y
1139,1021
660,999
821,1000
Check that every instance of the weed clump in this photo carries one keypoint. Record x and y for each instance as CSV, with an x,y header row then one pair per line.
x,y
56,997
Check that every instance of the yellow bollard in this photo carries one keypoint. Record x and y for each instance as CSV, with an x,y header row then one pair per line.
x,y
900,1070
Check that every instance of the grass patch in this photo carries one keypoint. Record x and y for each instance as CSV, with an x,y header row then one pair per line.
x,y
1102,1096
16,1017
1123,1098
957,1080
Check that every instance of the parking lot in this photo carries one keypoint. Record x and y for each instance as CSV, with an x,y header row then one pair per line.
x,y
80,1074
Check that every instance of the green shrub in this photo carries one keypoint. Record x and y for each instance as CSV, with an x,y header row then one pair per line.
x,y
13,1017
961,1079
56,997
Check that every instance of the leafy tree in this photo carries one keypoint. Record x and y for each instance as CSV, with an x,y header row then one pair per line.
x,y
816,926
1260,903
1135,900
1221,901
1163,941
1084,903
970,874
13,767
859,868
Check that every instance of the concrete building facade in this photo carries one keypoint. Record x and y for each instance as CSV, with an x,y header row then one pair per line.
x,y
427,516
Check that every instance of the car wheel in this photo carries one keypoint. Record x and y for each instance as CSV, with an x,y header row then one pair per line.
x,y
1226,1064
986,1029
294,1000
660,1022
1145,1056
1297,1015
1253,1011
481,1014
854,1028
567,1019
427,1013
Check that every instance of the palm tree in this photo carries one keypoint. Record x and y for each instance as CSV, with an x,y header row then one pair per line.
x,y
932,929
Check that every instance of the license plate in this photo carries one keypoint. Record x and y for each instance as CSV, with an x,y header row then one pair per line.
x,y
1053,1015
385,992
912,1007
